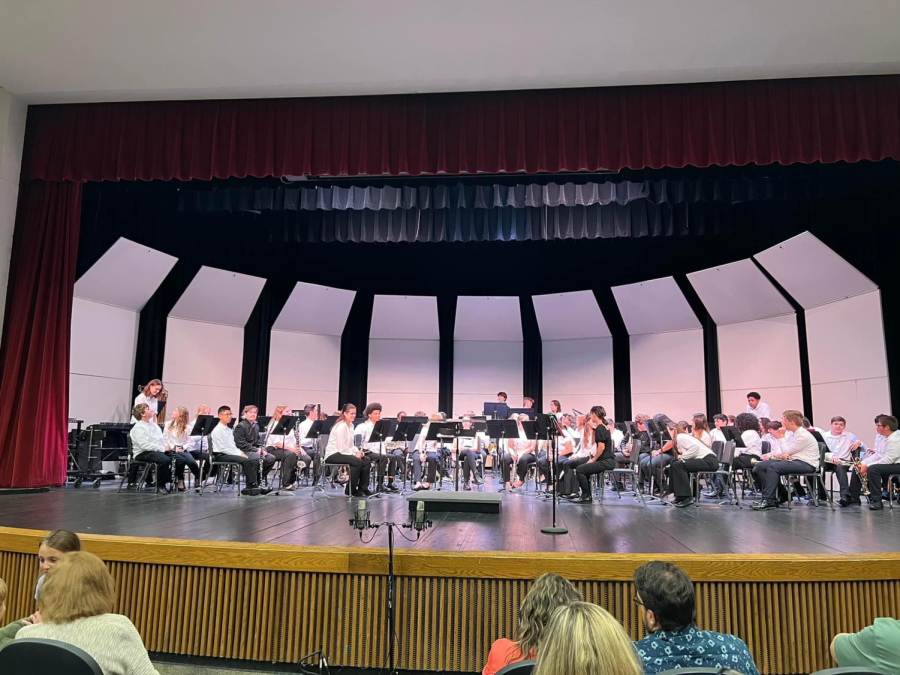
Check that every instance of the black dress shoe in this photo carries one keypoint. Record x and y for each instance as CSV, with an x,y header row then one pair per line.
x,y
687,501
467,487
764,505
250,492
366,492
582,500
265,491
390,487
848,502
358,493
876,506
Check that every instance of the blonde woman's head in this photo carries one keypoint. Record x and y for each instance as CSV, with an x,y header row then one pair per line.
x,y
585,639
548,592
79,586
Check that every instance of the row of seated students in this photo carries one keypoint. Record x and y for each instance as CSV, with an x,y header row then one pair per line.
x,y
566,636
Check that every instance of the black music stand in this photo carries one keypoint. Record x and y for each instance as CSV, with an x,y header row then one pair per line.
x,y
658,433
380,431
731,434
548,429
282,428
203,427
502,430
442,432
320,428
497,411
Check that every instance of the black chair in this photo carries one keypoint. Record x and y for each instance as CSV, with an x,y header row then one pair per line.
x,y
815,478
633,470
697,671
725,455
144,468
520,668
39,655
850,670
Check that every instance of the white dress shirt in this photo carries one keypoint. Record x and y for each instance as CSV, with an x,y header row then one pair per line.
x,y
617,438
840,445
222,439
761,410
692,447
340,440
802,446
303,430
366,429
172,438
717,435
150,401
752,443
146,437
890,453
774,443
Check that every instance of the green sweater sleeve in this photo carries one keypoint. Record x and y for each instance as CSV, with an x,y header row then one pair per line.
x,y
8,633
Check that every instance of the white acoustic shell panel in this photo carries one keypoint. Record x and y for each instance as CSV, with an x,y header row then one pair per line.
x,y
218,296
667,374
569,316
656,306
812,273
126,276
404,353
314,309
490,318
738,292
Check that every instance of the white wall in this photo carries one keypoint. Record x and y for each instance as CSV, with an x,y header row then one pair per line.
x,y
303,368
101,364
847,363
579,374
763,356
481,369
203,364
12,138
667,374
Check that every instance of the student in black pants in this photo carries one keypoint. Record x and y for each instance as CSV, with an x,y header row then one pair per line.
x,y
604,458
693,455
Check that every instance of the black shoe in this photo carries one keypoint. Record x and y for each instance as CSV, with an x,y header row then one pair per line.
x,y
390,487
366,492
584,499
265,491
478,481
687,501
347,489
419,488
467,487
876,506
250,492
764,505
358,493
849,502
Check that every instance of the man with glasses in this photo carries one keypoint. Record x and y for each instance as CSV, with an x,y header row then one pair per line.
x,y
665,598
225,450
877,466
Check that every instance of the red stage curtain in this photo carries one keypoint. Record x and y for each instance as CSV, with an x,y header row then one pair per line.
x,y
34,377
730,123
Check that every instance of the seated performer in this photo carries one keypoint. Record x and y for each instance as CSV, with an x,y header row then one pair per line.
x,y
803,453
178,441
841,444
755,406
519,450
246,438
467,449
283,447
719,421
527,402
604,458
224,450
694,454
309,446
565,449
585,443
428,453
501,397
340,450
876,467
654,463
747,426
148,445
556,409
382,460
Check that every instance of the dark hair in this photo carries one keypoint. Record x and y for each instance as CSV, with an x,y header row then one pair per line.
x,y
502,393
888,421
599,411
402,412
668,592
372,407
722,418
665,420
746,422
731,418
773,425
557,404
754,394
806,423
223,408
62,540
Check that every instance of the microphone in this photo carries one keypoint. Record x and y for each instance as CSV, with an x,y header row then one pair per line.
x,y
360,519
420,523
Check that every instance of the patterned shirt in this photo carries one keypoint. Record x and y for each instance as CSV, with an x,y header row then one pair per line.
x,y
694,648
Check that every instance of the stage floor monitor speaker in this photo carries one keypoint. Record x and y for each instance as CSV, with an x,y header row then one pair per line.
x,y
456,502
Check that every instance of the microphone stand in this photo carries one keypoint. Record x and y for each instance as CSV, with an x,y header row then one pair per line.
x,y
553,428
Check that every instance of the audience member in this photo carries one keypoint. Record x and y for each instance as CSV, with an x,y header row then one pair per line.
x,y
8,633
549,592
876,647
585,639
665,596
51,549
76,605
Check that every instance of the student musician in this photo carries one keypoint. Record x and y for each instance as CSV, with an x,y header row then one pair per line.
x,y
556,409
565,449
720,421
246,438
225,451
654,463
745,458
501,397
604,458
177,440
340,450
841,444
152,395
800,454
309,446
427,453
528,403
877,467
199,446
583,435
283,448
383,461
519,450
468,449
148,445
694,454
755,406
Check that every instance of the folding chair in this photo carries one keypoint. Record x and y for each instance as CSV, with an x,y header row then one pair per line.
x,y
817,478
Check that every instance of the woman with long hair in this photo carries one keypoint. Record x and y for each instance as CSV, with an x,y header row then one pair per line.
x,y
693,455
584,639
151,394
556,409
340,450
700,429
584,450
178,440
747,426
548,592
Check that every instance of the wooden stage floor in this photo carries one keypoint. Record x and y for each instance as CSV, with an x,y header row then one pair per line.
x,y
619,526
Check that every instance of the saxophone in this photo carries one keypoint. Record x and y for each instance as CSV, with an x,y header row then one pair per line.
x,y
863,479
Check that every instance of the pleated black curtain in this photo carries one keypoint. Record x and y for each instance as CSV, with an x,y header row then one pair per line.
x,y
621,343
354,378
446,306
532,354
710,346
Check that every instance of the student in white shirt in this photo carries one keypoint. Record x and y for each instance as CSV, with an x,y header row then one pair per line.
x,y
309,446
283,447
522,452
340,450
803,450
150,395
384,462
584,448
744,458
841,445
556,409
148,445
427,453
877,466
224,450
755,406
178,441
467,449
694,454
720,421
565,449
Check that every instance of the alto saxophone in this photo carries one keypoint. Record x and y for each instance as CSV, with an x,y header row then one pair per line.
x,y
863,479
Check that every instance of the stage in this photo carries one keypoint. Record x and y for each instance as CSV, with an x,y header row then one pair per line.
x,y
619,526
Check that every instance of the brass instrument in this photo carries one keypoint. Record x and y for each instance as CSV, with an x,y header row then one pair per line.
x,y
855,463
